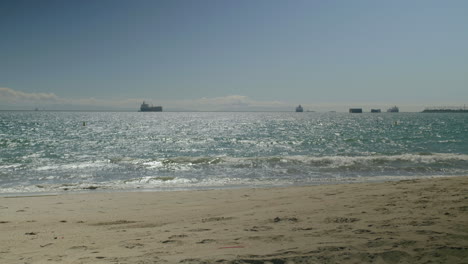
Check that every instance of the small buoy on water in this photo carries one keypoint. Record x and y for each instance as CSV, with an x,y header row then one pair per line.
x,y
84,123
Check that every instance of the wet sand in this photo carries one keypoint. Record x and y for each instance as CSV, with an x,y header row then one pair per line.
x,y
416,221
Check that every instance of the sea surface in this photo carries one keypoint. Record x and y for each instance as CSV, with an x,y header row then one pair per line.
x,y
55,152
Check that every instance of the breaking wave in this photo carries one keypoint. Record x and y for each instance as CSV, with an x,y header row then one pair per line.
x,y
127,173
423,162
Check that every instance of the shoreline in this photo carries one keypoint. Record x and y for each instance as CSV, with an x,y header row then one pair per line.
x,y
95,188
409,221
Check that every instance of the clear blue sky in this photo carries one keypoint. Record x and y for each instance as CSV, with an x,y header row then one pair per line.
x,y
265,54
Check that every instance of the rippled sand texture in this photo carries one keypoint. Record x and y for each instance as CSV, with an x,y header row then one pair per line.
x,y
417,221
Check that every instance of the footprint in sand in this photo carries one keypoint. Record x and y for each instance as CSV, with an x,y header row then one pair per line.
x,y
302,229
363,231
79,248
132,245
341,220
170,241
259,228
199,230
206,241
118,222
216,219
177,236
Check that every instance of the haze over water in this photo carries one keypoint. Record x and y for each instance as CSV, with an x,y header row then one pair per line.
x,y
54,152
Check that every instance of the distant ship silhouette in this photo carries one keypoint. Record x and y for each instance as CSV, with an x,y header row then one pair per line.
x,y
146,108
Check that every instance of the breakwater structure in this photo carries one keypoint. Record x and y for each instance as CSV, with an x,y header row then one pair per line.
x,y
446,109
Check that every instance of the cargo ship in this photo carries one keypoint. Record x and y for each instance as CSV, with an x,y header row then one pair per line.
x,y
299,109
355,110
146,108
394,109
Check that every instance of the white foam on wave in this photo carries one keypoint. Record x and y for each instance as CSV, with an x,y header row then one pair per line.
x,y
152,183
73,166
10,166
153,164
189,163
343,161
156,180
226,172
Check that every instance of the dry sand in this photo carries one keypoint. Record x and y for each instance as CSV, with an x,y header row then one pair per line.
x,y
417,221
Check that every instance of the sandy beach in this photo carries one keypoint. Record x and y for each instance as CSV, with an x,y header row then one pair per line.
x,y
415,221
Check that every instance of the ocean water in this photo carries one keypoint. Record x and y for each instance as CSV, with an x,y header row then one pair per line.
x,y
54,152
